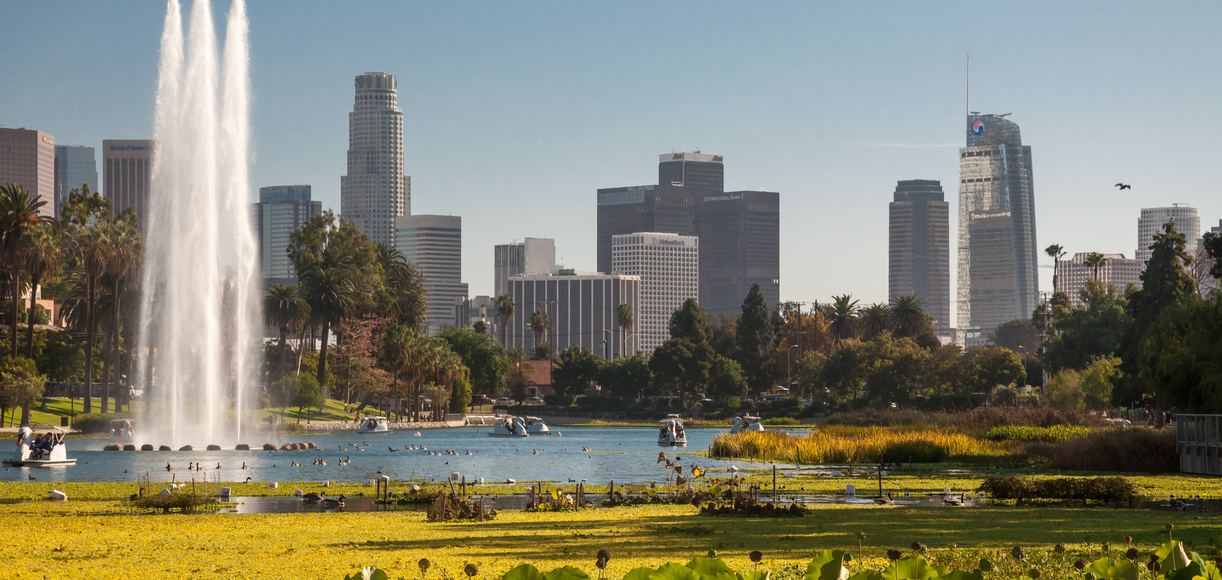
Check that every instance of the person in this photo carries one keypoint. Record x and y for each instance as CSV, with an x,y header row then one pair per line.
x,y
36,447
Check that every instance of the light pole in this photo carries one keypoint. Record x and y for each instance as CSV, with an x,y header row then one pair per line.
x,y
789,364
607,335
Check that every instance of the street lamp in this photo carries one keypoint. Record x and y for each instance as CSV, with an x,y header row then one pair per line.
x,y
607,335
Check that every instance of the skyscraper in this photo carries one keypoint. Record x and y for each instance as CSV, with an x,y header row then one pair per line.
x,y
669,268
375,191
75,165
740,245
281,210
27,158
126,166
531,257
580,310
1184,218
642,208
1117,271
433,244
698,173
998,279
919,248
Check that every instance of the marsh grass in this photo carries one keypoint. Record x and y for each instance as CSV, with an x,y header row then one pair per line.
x,y
853,445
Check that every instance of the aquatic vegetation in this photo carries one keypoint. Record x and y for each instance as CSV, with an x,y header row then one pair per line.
x,y
1029,433
857,445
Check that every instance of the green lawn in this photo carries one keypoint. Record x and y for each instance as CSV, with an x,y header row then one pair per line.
x,y
58,407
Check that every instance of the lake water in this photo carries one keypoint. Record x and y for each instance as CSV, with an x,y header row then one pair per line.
x,y
627,455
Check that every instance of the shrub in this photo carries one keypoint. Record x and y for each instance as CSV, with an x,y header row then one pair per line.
x,y
781,421
1107,489
93,423
182,502
1136,449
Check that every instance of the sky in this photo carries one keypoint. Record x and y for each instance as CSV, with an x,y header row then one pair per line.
x,y
516,112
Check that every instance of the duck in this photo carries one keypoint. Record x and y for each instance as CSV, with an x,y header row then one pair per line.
x,y
953,500
391,449
312,496
886,500
328,502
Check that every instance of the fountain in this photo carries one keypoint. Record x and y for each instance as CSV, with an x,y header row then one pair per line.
x,y
200,316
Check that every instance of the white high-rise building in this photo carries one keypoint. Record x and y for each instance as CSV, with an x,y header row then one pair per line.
x,y
375,191
530,257
669,268
1117,271
433,245
1184,218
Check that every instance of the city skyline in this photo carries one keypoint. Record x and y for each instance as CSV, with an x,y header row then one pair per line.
x,y
837,140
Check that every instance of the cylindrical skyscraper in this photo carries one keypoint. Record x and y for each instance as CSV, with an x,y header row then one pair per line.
x,y
375,191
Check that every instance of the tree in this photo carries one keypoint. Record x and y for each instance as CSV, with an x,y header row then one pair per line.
x,y
909,320
681,367
339,271
20,384
990,366
286,308
578,368
404,286
1064,390
756,341
482,356
623,319
1056,252
627,378
20,213
308,393
85,219
504,314
539,325
1018,335
691,323
1211,243
1165,283
1181,357
42,260
875,320
126,251
1096,329
844,317
1095,262
726,378
1098,380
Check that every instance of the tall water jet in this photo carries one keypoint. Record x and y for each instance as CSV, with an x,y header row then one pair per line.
x,y
200,306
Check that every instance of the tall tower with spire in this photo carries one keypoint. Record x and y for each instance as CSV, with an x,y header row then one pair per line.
x,y
375,191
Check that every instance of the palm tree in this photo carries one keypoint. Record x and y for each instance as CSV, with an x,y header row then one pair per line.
x,y
1056,252
86,217
403,285
539,324
1095,261
123,261
844,317
875,318
909,319
623,319
332,292
504,313
42,259
20,212
286,308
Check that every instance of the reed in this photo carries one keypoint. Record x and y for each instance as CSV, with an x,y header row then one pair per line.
x,y
851,445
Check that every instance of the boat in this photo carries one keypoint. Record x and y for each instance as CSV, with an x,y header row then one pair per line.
x,y
671,434
122,430
536,426
34,452
508,426
746,423
374,425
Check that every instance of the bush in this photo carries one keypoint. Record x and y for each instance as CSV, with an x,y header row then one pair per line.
x,y
93,423
1107,489
781,421
182,502
1137,449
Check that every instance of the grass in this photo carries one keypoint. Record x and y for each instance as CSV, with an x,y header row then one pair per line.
x,y
852,445
1028,433
104,539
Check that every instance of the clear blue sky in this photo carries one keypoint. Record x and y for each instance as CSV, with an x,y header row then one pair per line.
x,y
517,111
